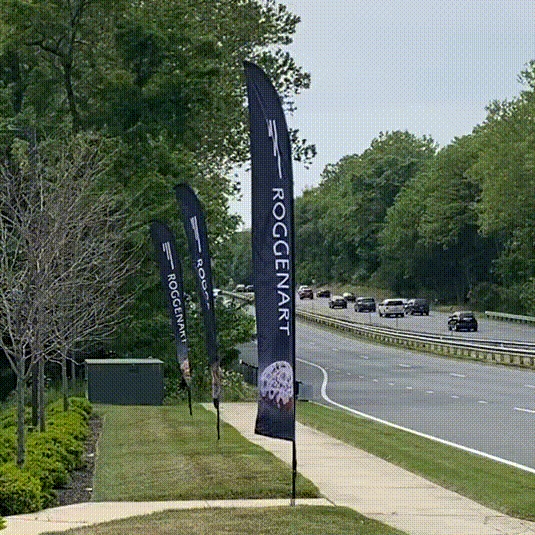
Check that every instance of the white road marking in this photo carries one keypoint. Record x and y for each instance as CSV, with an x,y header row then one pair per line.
x,y
458,375
482,401
391,384
429,392
404,365
524,410
454,397
529,386
408,388
401,428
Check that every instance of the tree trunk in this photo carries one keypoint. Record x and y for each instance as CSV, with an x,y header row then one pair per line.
x,y
21,446
35,396
42,423
64,384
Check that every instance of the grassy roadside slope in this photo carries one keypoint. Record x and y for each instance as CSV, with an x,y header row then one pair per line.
x,y
498,486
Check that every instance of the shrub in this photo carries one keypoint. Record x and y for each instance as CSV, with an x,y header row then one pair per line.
x,y
49,457
80,406
8,444
47,466
19,491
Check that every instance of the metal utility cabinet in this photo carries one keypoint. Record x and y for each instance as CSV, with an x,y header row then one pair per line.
x,y
125,381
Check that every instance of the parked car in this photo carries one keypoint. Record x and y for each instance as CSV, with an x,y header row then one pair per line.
x,y
391,307
337,301
240,288
323,293
249,288
417,306
349,296
365,304
462,321
305,292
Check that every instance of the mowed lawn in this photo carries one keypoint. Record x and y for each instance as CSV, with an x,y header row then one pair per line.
x,y
299,520
152,453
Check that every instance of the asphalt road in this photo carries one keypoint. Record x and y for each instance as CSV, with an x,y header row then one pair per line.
x,y
485,407
436,322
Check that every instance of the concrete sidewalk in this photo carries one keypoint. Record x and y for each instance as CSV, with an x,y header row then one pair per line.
x,y
85,514
375,488
345,476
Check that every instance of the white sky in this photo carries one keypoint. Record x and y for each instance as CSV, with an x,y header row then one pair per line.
x,y
426,66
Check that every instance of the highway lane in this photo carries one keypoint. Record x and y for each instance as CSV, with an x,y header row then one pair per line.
x,y
485,407
436,322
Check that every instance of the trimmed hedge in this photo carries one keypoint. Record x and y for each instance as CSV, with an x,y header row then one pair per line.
x,y
19,491
50,456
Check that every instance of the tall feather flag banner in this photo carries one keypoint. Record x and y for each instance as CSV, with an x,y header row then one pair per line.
x,y
273,256
195,227
172,284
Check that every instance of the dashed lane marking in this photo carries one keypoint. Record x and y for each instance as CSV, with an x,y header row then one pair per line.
x,y
417,433
520,409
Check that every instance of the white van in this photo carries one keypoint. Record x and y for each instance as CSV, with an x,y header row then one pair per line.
x,y
391,307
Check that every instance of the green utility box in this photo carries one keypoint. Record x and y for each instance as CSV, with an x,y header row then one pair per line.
x,y
125,381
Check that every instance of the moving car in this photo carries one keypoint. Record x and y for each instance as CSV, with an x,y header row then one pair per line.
x,y
462,321
305,292
349,296
337,301
365,304
417,306
391,307
323,293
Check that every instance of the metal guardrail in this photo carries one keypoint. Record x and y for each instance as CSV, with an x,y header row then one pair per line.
x,y
509,317
490,351
515,353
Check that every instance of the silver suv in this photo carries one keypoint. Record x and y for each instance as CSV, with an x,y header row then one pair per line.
x,y
391,307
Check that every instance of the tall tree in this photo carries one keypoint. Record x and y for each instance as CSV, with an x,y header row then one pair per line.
x,y
63,256
353,198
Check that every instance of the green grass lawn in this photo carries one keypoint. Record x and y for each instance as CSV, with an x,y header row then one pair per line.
x,y
300,520
163,453
498,486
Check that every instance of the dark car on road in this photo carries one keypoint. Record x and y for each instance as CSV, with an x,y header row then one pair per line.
x,y
365,304
417,306
462,321
305,292
349,296
337,301
323,293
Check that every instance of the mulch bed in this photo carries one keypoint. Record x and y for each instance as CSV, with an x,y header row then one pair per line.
x,y
80,487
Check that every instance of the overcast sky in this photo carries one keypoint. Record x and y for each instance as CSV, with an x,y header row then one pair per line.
x,y
426,66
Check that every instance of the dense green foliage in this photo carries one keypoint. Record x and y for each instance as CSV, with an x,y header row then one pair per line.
x,y
51,456
454,225
162,84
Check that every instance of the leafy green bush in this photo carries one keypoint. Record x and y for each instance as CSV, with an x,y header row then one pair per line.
x,y
50,456
8,444
19,491
48,463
